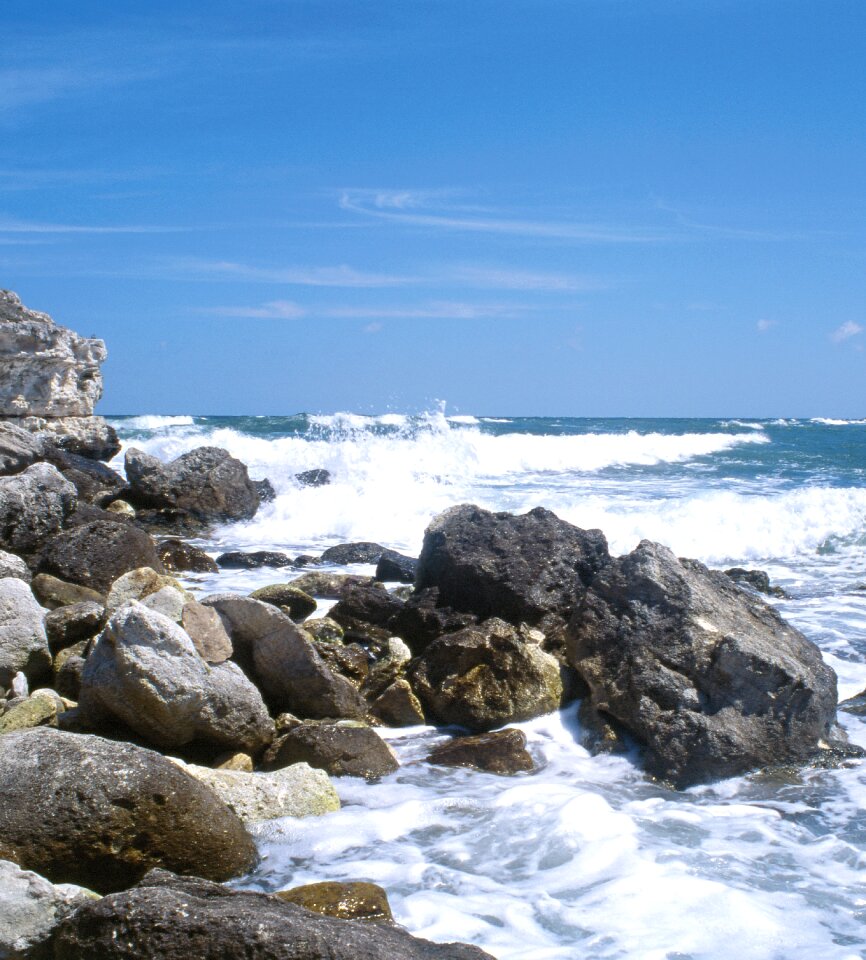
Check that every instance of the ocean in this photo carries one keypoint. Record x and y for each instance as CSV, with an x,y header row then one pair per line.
x,y
586,857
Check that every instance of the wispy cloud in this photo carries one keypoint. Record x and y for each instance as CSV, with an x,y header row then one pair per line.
x,y
846,331
329,276
726,232
508,279
407,207
763,325
8,225
274,310
432,310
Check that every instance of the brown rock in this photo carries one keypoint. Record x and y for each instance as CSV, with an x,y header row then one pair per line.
x,y
352,900
503,751
398,706
206,630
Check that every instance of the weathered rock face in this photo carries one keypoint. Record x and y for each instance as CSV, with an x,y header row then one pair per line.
x,y
30,909
23,644
207,482
396,566
330,586
96,553
71,624
485,676
13,566
146,672
503,752
48,371
81,809
91,437
286,595
95,482
172,918
33,507
361,552
343,750
284,662
18,448
238,560
523,569
423,618
709,678
178,555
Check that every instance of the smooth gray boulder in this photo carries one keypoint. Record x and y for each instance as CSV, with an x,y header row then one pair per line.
x,y
283,660
30,908
166,917
145,671
81,809
529,569
23,643
707,676
33,506
207,482
485,676
18,448
48,370
13,566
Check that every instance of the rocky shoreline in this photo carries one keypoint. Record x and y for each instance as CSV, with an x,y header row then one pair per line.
x,y
141,728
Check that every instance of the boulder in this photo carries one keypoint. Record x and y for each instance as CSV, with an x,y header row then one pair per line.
x,y
238,560
18,448
313,478
205,628
283,660
342,749
352,900
90,437
397,705
361,552
67,670
48,371
145,671
167,917
30,908
299,604
23,644
81,809
423,619
388,667
53,593
139,584
324,630
68,625
294,791
486,676
121,508
395,566
265,490
530,569
97,552
330,586
707,676
348,660
13,566
94,481
33,507
361,605
756,579
40,709
503,752
208,482
178,555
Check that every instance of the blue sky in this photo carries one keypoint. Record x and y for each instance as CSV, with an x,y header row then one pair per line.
x,y
562,207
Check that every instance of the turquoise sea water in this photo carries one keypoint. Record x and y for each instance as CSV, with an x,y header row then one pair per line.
x,y
586,857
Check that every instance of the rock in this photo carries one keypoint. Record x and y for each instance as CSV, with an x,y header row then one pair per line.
x,y
23,644
205,628
388,667
283,660
38,710
33,506
423,619
502,752
295,791
48,371
81,809
30,908
234,761
13,566
397,705
342,749
177,555
395,566
352,900
96,553
361,552
530,569
172,918
94,482
68,625
169,601
330,586
313,478
122,509
67,670
139,584
324,630
300,605
366,605
90,437
348,660
265,490
708,677
208,482
145,671
756,579
171,522
18,448
54,593
486,676
237,560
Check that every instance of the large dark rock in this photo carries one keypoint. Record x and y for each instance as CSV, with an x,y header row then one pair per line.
x,y
94,481
342,750
313,478
178,555
81,809
330,586
423,619
352,900
71,624
284,662
238,560
529,569
710,678
295,602
396,566
503,752
96,553
207,482
364,604
33,507
486,676
756,579
361,552
172,918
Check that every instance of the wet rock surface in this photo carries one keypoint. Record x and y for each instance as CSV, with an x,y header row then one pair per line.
x,y
177,555
503,752
352,900
341,749
238,560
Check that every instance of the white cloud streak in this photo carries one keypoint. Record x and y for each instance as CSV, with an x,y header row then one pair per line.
x,y
29,227
846,331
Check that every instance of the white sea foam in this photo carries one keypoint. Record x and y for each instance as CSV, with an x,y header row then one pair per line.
x,y
152,422
827,421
